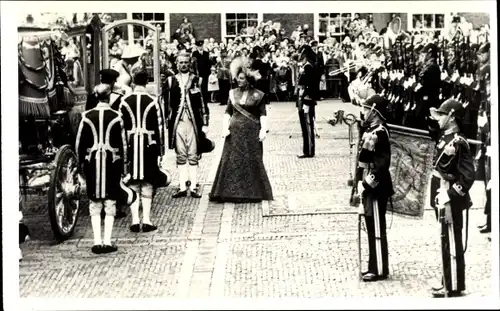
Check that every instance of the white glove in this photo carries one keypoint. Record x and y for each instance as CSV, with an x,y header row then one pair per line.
x,y
262,135
225,132
306,109
204,129
482,120
361,188
126,178
442,198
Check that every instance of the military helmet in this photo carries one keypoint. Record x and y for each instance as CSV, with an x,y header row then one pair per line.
x,y
378,104
449,106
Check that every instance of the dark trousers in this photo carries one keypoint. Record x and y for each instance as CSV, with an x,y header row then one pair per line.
x,y
204,89
452,248
487,207
224,87
308,135
376,229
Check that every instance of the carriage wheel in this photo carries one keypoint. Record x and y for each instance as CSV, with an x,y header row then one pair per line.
x,y
64,194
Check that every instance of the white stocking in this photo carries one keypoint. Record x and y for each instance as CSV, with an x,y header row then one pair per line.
x,y
183,176
146,209
96,228
192,176
108,229
134,209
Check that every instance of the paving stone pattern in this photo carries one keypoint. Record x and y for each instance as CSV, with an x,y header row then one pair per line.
x,y
302,244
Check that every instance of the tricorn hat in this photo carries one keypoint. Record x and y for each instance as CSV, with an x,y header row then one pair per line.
x,y
109,76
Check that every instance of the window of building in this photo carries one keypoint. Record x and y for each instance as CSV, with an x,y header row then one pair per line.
x,y
337,24
427,22
140,34
240,24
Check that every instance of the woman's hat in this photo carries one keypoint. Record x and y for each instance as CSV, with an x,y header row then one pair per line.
x,y
133,51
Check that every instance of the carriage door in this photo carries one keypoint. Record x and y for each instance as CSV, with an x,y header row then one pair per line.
x,y
152,58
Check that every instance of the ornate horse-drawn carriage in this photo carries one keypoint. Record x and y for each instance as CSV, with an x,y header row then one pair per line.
x,y
52,94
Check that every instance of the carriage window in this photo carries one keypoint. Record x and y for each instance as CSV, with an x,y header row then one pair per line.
x,y
143,35
74,56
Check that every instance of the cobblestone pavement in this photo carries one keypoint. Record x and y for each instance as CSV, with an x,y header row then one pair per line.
x,y
203,249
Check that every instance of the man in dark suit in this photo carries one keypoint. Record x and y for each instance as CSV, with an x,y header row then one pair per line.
x,y
204,64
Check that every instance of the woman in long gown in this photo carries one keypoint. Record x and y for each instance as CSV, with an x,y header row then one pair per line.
x,y
241,176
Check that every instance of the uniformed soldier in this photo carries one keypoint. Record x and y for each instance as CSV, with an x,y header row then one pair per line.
x,y
308,91
376,185
143,124
101,150
430,79
108,77
452,178
484,156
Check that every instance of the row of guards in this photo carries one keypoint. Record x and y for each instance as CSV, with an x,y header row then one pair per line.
x,y
415,76
406,75
51,100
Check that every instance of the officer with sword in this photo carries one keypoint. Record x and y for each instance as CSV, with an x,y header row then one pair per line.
x,y
373,180
452,178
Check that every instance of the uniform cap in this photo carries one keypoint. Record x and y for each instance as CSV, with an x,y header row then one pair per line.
x,y
452,106
109,76
313,43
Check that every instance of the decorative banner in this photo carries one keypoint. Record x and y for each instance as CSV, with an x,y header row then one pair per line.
x,y
411,165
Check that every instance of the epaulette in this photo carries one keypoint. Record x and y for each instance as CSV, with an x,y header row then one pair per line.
x,y
380,128
458,138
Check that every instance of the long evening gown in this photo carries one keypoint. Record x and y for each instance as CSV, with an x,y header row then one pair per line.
x,y
241,176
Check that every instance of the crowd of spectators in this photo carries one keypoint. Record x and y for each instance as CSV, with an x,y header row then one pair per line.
x,y
212,59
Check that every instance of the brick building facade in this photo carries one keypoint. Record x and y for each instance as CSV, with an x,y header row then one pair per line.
x,y
217,26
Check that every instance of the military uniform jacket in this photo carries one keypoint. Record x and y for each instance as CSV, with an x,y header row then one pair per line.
x,y
114,101
173,98
374,161
454,162
308,84
143,124
101,149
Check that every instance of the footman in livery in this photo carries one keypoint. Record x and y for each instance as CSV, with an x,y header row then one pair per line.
x,y
101,149
188,117
143,123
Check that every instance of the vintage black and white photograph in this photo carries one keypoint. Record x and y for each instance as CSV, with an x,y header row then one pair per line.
x,y
198,150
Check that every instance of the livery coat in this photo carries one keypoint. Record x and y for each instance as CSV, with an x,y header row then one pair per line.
x,y
173,100
375,160
142,118
101,149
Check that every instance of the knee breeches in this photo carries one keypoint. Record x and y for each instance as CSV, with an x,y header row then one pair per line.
x,y
185,144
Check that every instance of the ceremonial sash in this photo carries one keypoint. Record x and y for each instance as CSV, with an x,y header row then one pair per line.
x,y
245,113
